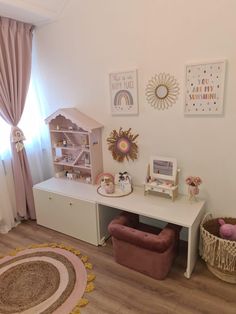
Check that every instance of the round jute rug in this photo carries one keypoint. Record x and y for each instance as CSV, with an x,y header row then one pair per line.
x,y
45,279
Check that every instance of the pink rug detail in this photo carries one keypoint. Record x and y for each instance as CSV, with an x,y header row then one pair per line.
x,y
80,284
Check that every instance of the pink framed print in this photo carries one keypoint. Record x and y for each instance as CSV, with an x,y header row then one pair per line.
x,y
204,90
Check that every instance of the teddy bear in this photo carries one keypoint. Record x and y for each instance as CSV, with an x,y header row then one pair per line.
x,y
227,231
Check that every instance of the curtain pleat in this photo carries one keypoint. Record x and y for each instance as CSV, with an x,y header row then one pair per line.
x,y
15,68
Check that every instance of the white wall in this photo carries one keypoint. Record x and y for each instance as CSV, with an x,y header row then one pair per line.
x,y
94,38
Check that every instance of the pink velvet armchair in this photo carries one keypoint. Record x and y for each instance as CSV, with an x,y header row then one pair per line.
x,y
144,248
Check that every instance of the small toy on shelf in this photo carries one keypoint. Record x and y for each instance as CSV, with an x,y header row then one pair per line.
x,y
123,179
87,160
84,141
60,174
107,184
227,231
64,143
71,175
58,144
162,176
57,159
111,186
88,179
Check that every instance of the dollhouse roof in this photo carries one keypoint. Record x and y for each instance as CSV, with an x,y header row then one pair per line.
x,y
77,117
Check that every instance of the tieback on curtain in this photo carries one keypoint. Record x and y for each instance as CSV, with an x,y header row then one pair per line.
x,y
17,137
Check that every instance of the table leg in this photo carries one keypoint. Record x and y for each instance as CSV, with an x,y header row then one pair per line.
x,y
193,242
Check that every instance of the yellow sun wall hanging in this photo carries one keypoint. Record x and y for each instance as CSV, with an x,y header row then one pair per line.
x,y
122,145
162,91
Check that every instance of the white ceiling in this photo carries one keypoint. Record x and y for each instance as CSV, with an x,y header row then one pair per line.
x,y
37,12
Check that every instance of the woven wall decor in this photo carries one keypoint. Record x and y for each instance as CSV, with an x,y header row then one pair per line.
x,y
162,91
122,145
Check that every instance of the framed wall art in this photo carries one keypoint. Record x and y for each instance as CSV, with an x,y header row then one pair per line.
x,y
124,93
162,91
204,90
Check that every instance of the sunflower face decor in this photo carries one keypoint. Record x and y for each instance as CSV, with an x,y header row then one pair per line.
x,y
162,91
122,145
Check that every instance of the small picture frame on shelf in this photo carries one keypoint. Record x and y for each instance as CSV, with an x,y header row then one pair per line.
x,y
163,168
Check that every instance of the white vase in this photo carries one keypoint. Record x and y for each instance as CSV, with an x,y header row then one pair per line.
x,y
193,190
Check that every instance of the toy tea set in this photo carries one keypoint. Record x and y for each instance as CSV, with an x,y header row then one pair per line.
x,y
114,186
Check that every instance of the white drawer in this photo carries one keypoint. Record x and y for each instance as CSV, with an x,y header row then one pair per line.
x,y
68,215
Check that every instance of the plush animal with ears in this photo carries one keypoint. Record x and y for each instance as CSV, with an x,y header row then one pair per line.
x,y
227,231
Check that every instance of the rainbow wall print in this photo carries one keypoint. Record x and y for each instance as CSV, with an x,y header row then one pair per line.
x,y
124,95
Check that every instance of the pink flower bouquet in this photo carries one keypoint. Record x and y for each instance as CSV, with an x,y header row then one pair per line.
x,y
193,181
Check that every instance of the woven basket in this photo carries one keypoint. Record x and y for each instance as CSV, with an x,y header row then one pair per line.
x,y
218,253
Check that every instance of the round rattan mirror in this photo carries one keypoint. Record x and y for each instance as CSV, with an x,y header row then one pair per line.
x,y
162,91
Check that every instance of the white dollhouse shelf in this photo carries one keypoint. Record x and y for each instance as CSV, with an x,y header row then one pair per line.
x,y
76,145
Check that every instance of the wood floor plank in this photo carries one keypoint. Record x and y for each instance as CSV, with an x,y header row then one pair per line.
x,y
120,290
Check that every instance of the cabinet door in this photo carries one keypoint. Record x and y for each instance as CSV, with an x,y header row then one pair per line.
x,y
71,216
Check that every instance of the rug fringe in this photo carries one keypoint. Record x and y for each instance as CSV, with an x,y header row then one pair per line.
x,y
91,277
76,310
83,302
84,258
88,266
90,287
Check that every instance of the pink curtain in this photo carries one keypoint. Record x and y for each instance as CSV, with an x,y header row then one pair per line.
x,y
15,68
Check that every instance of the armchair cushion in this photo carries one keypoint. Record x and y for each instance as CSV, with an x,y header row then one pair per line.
x,y
126,228
154,242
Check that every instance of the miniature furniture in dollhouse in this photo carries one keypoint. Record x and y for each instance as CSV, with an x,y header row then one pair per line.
x,y
143,248
76,145
162,176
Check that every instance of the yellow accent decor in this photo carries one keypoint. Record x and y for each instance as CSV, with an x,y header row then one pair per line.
x,y
76,310
84,259
91,277
88,265
90,287
13,253
83,302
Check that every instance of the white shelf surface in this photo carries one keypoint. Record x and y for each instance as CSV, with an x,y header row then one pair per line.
x,y
69,131
68,147
181,211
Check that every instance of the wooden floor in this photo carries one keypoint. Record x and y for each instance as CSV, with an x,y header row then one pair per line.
x,y
123,291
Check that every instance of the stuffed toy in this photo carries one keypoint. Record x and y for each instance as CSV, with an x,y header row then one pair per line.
x,y
227,231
